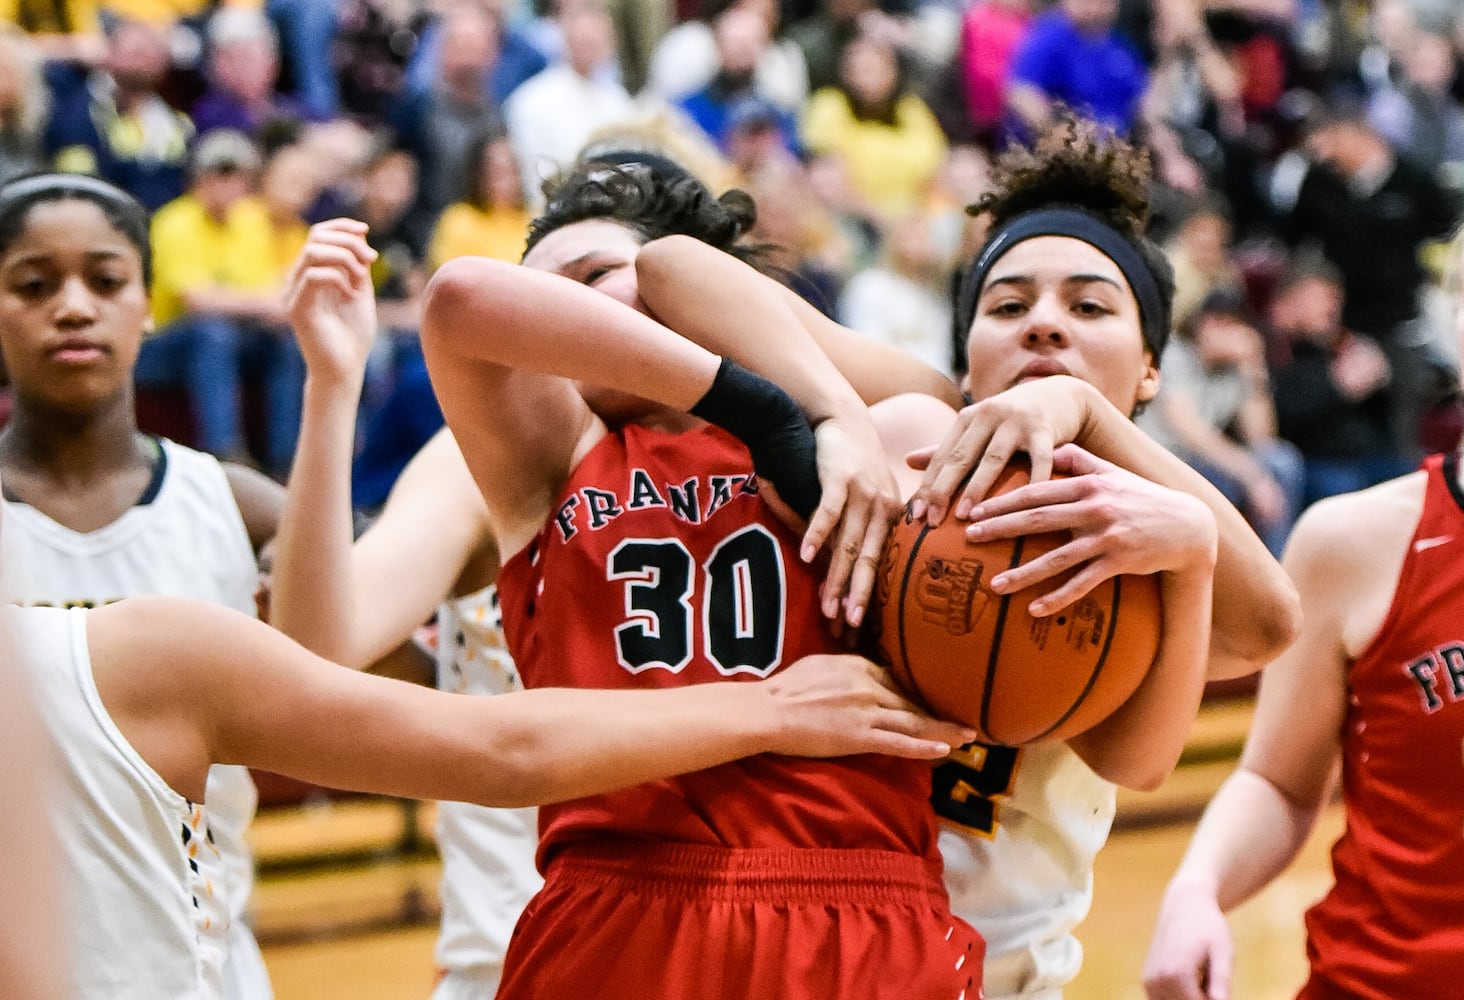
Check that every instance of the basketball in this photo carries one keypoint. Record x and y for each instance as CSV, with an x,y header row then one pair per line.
x,y
976,657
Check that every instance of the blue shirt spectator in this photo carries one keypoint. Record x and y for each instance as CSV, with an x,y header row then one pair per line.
x,y
1073,55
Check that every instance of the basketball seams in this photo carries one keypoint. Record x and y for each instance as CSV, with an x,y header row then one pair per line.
x,y
907,678
998,632
1097,670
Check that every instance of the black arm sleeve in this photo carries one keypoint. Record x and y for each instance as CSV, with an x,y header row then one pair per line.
x,y
767,420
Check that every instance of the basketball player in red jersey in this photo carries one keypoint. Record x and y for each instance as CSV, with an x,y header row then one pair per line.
x,y
637,552
1377,681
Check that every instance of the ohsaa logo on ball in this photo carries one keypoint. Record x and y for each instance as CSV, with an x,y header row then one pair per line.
x,y
950,595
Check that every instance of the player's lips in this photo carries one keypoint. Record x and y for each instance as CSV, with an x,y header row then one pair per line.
x,y
1041,368
77,350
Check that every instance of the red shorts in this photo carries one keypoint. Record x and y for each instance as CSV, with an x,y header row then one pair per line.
x,y
637,921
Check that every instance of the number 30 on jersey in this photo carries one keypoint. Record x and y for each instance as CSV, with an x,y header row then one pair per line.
x,y
738,594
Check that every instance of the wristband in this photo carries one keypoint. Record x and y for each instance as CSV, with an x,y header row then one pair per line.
x,y
767,420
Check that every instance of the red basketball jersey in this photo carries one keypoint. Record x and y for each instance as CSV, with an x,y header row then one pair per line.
x,y
661,567
1393,926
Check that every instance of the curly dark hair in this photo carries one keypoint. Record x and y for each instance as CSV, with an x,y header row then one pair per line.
x,y
653,199
1078,164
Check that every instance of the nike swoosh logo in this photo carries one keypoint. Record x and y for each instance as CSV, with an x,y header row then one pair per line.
x,y
1424,544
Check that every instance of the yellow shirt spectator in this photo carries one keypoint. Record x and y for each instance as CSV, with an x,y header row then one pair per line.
x,y
889,165
466,230
192,250
166,11
53,17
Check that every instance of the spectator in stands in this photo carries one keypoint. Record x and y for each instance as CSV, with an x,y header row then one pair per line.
x,y
991,30
493,220
1371,212
519,56
440,124
741,35
885,135
1195,115
1200,253
758,133
686,60
397,232
23,105
289,183
307,31
1214,410
59,30
553,115
902,300
398,411
112,121
806,241
1331,386
1072,55
1417,113
823,37
243,70
217,306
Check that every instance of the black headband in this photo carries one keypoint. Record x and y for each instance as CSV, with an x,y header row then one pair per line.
x,y
1080,225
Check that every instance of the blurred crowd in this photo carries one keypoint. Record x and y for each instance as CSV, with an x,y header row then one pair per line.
x,y
1308,167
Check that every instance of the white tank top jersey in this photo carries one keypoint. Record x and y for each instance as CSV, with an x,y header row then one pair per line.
x,y
1019,833
138,866
184,538
488,872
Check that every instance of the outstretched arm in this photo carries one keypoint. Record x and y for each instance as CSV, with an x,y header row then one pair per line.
x,y
191,684
354,603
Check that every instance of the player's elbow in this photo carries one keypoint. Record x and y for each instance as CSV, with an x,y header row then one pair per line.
x,y
1271,627
1140,769
458,297
515,775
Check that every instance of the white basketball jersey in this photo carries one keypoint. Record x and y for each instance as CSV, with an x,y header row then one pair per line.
x,y
1020,830
138,867
187,539
488,869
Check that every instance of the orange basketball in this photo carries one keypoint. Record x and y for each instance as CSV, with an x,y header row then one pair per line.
x,y
977,657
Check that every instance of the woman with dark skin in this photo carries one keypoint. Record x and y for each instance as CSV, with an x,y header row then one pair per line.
x,y
98,509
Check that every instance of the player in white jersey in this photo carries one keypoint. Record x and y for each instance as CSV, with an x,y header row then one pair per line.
x,y
99,511
129,843
1019,851
142,696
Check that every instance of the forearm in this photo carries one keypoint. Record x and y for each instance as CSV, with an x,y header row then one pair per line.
x,y
1139,745
552,745
1256,610
1248,835
722,304
518,318
314,569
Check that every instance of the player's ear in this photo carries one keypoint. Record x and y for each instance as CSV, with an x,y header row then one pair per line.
x,y
1149,382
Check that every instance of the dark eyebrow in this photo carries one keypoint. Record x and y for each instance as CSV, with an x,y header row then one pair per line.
x,y
37,258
